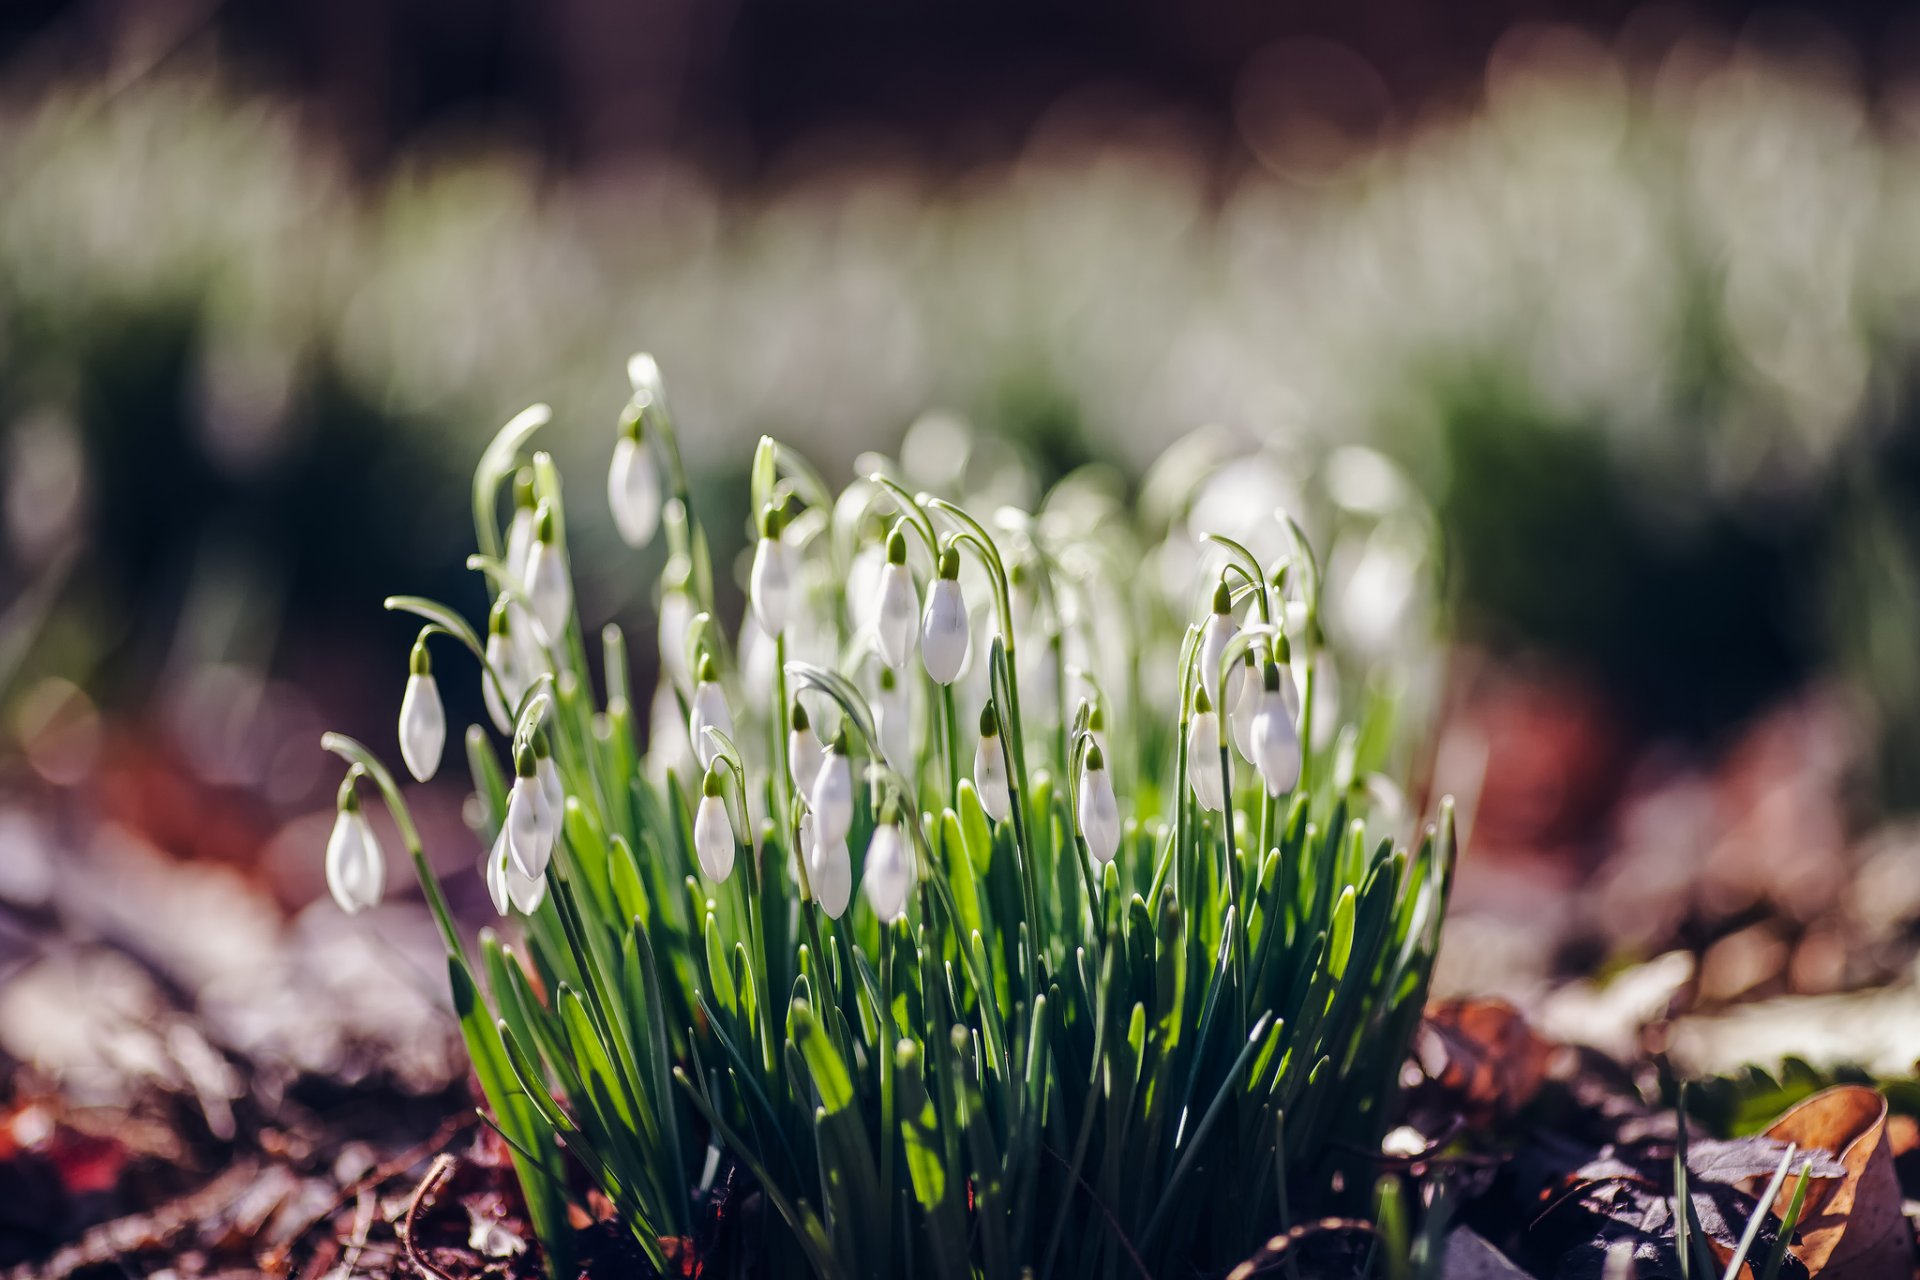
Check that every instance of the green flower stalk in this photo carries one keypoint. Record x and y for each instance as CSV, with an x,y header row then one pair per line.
x,y
1104,1003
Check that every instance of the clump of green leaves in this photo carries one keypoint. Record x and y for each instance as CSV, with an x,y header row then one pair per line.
x,y
1130,983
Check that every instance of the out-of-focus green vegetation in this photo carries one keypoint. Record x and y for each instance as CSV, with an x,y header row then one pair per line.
x,y
1643,331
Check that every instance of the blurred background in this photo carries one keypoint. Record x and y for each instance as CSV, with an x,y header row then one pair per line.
x,y
1629,294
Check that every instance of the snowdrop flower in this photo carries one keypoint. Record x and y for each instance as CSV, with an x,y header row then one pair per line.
x,y
943,629
507,885
1220,629
770,586
530,821
990,768
1276,742
863,587
804,752
709,712
1240,720
356,868
713,831
423,717
899,605
548,588
1099,811
831,797
548,775
502,694
894,721
1204,773
830,872
676,620
889,875
633,482
520,528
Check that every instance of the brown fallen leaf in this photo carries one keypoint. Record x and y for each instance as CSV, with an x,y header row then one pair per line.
x,y
1851,1227
1483,1053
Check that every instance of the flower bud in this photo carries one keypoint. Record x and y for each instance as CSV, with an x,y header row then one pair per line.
x,y
520,528
990,768
831,798
899,606
1276,742
889,876
709,711
1219,630
713,831
423,717
507,885
943,629
356,867
548,588
1099,810
530,822
1204,773
770,586
502,692
633,483
803,750
893,721
830,872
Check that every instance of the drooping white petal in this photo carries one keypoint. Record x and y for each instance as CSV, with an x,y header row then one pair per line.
x,y
889,875
943,631
530,826
863,587
896,616
1240,725
549,589
893,720
1203,761
423,726
356,867
770,586
504,658
524,891
551,791
507,885
830,871
1099,813
804,754
519,543
831,799
990,778
709,712
633,491
1276,743
713,838
1219,630
498,861
676,617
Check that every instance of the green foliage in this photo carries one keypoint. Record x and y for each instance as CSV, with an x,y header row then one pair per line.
x,y
1049,1063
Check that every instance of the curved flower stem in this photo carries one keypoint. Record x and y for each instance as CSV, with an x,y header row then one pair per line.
x,y
359,757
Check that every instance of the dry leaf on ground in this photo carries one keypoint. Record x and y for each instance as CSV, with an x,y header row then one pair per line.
x,y
1852,1228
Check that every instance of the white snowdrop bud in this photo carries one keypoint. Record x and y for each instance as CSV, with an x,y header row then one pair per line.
x,y
507,885
1204,773
548,775
530,822
893,720
502,691
423,717
889,876
943,629
1219,630
1099,811
709,711
548,588
830,872
676,619
804,752
633,482
1241,715
520,528
1276,742
770,585
831,797
713,831
803,843
990,768
356,867
897,614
